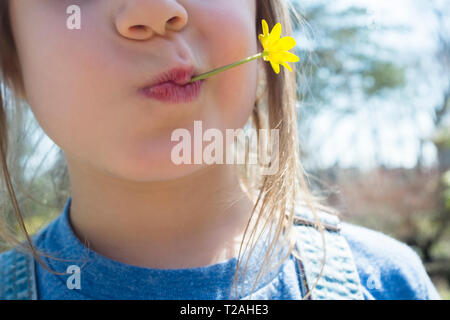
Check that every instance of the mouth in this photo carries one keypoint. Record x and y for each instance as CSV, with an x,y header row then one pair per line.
x,y
179,75
173,86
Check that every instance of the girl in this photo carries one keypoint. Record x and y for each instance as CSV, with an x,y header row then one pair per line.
x,y
139,226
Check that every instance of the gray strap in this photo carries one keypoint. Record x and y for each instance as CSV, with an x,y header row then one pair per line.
x,y
18,279
340,279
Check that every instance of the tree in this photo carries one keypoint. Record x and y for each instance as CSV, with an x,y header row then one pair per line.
x,y
344,70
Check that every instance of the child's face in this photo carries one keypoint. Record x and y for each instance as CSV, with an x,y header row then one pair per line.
x,y
83,85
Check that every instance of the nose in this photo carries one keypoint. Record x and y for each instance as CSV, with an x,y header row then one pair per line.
x,y
142,19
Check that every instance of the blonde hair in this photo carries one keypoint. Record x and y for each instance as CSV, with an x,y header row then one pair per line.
x,y
275,195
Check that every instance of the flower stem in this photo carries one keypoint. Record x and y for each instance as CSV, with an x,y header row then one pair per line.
x,y
235,64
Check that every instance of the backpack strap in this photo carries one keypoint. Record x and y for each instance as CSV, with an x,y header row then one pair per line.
x,y
340,279
17,276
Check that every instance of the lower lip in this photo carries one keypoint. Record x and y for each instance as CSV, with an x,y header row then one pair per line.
x,y
172,93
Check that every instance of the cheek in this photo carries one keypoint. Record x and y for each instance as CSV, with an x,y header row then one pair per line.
x,y
231,38
67,79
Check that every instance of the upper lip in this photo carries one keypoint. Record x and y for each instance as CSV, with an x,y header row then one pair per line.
x,y
180,75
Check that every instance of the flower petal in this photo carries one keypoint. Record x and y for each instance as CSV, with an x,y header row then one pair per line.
x,y
260,37
265,27
263,41
284,64
284,44
275,58
275,66
284,56
275,34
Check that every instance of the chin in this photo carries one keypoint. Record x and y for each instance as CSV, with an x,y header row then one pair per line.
x,y
152,169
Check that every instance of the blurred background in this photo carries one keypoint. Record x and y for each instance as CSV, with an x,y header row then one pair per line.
x,y
374,119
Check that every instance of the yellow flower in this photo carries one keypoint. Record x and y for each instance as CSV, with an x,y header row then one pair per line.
x,y
275,51
275,48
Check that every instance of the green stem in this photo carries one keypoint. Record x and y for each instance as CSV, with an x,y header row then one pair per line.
x,y
235,64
